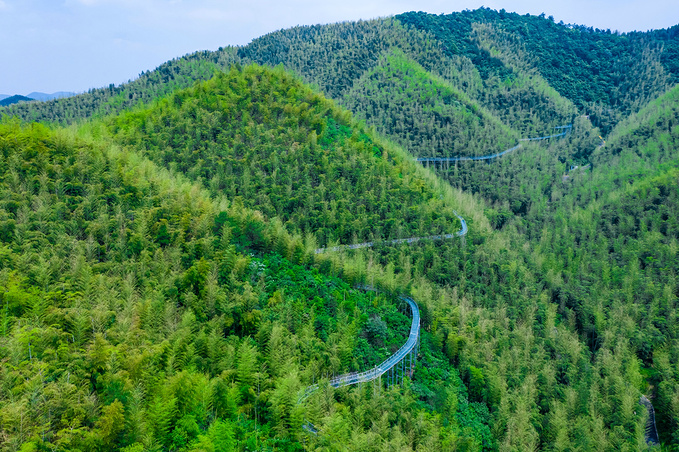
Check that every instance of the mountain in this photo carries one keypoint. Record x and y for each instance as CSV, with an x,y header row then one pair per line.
x,y
607,75
396,96
6,100
160,283
45,97
252,114
612,241
262,137
10,100
190,317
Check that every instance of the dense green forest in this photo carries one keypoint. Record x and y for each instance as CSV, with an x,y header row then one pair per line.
x,y
398,92
597,70
261,137
159,288
140,313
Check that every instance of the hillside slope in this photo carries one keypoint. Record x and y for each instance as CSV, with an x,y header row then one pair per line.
x,y
606,75
609,247
335,57
541,330
488,305
140,314
424,113
644,145
264,138
16,99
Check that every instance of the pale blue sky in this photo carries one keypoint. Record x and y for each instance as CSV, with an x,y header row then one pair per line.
x,y
74,45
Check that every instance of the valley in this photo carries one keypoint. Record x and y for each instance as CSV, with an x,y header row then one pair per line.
x,y
183,256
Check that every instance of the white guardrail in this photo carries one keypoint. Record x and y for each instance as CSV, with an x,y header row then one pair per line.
x,y
567,130
414,336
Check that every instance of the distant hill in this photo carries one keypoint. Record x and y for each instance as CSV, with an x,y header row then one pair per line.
x,y
45,97
14,100
6,99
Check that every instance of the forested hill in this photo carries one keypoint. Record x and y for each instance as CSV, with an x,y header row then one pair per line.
x,y
596,69
159,289
263,138
529,71
140,312
610,246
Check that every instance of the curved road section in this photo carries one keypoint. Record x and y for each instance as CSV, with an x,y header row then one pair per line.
x,y
567,128
650,430
411,343
413,338
386,365
409,348
379,370
462,232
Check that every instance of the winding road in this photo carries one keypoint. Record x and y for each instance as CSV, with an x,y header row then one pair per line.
x,y
650,429
408,350
406,356
567,128
460,233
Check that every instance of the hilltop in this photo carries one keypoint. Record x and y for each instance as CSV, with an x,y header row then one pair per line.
x,y
157,241
264,138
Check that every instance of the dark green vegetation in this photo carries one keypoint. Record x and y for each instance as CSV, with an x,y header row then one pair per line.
x,y
14,100
175,303
595,69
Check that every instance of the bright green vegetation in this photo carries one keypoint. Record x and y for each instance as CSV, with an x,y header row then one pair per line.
x,y
265,139
612,246
423,113
512,65
138,313
643,145
159,290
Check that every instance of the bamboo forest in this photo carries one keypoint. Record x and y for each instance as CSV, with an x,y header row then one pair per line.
x,y
415,233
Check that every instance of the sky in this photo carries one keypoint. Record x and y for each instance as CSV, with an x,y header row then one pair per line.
x,y
75,45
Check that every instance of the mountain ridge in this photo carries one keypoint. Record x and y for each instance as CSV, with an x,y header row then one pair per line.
x,y
158,270
45,96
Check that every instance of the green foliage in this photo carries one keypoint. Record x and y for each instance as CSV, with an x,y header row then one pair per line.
x,y
270,143
587,66
168,77
425,114
107,348
139,311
